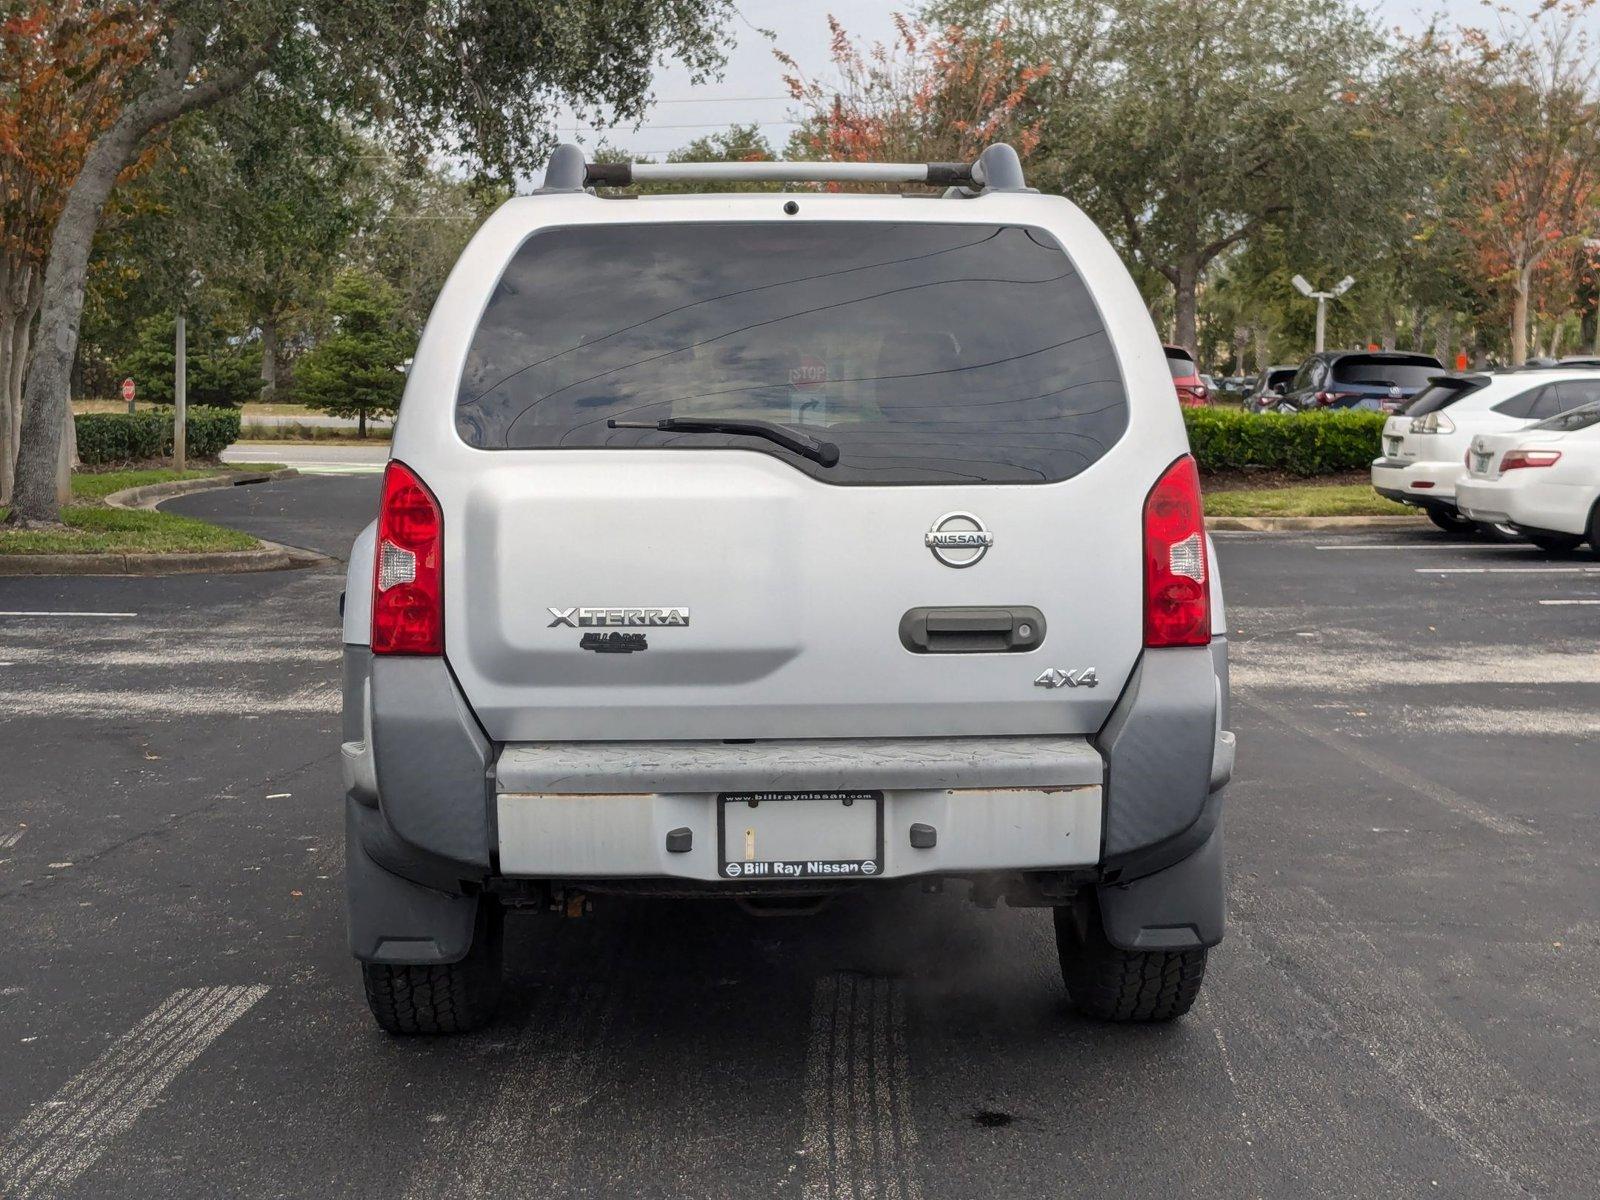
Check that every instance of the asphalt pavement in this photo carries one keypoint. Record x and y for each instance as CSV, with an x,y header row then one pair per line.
x,y
1406,1003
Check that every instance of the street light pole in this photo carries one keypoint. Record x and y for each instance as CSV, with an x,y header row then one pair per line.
x,y
180,397
1322,298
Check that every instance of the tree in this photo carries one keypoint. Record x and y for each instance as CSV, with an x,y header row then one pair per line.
x,y
222,369
937,94
1530,128
1185,127
61,59
477,81
358,370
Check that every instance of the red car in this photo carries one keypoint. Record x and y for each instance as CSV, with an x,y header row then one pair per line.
x,y
1186,378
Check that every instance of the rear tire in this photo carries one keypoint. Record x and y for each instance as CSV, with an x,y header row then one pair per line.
x,y
1556,543
1448,521
1108,984
453,997
1594,530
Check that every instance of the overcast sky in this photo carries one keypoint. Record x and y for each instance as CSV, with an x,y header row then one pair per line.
x,y
750,89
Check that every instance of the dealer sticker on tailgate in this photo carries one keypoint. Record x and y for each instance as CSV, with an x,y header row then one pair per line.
x,y
800,835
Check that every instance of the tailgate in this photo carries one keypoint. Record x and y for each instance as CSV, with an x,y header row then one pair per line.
x,y
677,595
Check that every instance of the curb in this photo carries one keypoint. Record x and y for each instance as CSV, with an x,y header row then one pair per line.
x,y
1291,524
268,556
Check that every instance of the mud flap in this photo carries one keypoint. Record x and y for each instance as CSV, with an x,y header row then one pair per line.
x,y
392,920
1179,908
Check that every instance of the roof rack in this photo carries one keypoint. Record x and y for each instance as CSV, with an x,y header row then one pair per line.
x,y
997,169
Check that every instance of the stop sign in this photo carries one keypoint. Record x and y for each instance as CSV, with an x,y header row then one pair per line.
x,y
127,389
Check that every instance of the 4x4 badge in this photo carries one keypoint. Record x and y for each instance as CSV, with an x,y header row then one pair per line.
x,y
958,539
1055,677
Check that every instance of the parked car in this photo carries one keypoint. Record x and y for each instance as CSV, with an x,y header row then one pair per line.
x,y
1424,448
1269,388
747,547
1375,380
1543,481
1192,390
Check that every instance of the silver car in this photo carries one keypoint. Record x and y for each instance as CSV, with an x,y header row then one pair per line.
x,y
773,545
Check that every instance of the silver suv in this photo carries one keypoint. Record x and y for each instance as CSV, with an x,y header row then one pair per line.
x,y
770,545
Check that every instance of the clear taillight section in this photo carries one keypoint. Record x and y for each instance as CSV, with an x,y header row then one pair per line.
x,y
1177,593
408,576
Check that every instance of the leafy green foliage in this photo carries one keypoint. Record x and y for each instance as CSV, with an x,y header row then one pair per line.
x,y
133,437
1308,444
358,370
223,370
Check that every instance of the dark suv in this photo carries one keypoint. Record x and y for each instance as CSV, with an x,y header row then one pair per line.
x,y
1375,380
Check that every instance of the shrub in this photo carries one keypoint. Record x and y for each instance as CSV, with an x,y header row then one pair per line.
x,y
131,437
1307,445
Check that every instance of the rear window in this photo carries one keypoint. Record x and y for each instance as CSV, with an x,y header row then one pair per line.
x,y
1180,364
1441,393
1381,373
926,353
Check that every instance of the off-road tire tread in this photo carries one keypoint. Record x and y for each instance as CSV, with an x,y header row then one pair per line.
x,y
436,999
1108,984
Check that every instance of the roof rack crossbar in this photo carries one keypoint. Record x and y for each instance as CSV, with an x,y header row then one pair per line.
x,y
997,169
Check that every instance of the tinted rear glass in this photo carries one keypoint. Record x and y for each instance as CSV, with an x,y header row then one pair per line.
x,y
1578,418
1441,395
1378,373
927,353
1180,364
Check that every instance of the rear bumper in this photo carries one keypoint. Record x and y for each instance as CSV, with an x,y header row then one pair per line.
x,y
1420,482
1523,500
442,813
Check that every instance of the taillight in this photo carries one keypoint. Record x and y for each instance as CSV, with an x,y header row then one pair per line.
x,y
1177,595
408,584
1517,459
1324,398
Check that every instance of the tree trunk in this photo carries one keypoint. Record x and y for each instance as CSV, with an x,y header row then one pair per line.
x,y
1185,285
66,270
1262,348
269,359
361,423
1556,335
1442,338
7,459
1388,333
1519,316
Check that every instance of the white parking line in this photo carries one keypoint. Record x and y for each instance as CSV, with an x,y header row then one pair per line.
x,y
63,1137
1569,602
8,840
1507,570
67,614
1520,549
859,1140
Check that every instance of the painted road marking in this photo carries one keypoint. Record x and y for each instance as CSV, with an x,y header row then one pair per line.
x,y
66,1135
339,468
860,1142
68,614
1507,570
8,840
1569,602
1516,547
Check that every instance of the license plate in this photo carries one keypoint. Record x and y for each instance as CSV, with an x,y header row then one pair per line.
x,y
799,835
1480,462
1393,446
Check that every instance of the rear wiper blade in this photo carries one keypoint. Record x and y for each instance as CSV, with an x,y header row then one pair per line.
x,y
802,444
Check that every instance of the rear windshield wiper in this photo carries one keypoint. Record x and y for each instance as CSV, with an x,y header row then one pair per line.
x,y
802,444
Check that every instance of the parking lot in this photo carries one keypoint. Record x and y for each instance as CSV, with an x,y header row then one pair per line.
x,y
1406,1002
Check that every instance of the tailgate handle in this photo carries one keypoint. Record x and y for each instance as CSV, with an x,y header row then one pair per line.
x,y
998,630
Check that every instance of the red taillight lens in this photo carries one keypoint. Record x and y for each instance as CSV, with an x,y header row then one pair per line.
x,y
1177,593
1325,398
1518,459
408,582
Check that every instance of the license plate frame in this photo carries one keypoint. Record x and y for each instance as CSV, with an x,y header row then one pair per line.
x,y
782,868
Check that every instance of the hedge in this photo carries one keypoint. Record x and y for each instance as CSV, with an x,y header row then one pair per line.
x,y
1306,444
131,437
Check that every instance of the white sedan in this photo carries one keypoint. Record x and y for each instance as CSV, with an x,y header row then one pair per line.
x,y
1424,447
1544,481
